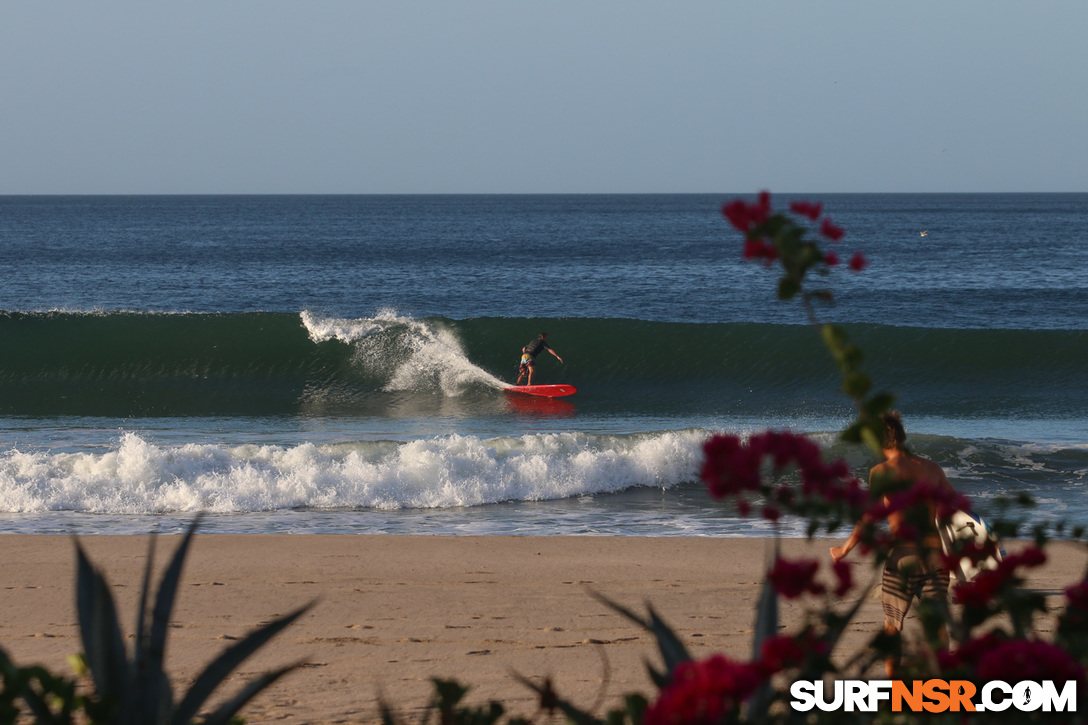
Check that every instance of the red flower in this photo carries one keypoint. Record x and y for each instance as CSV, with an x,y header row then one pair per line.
x,y
731,468
1076,610
1018,660
967,655
744,216
759,249
844,575
858,262
807,209
831,231
791,579
982,591
780,652
737,213
831,259
704,692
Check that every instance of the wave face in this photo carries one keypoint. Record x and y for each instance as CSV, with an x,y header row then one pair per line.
x,y
149,364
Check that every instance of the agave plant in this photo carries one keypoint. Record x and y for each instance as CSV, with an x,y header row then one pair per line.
x,y
136,689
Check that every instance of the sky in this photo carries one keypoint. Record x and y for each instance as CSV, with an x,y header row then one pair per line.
x,y
507,96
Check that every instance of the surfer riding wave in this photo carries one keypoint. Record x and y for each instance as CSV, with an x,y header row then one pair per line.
x,y
528,357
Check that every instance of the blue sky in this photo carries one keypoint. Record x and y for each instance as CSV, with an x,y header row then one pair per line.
x,y
267,96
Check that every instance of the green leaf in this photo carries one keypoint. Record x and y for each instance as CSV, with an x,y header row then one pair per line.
x,y
447,693
141,610
871,440
766,625
636,706
103,642
214,674
834,336
856,385
851,357
852,434
164,599
574,714
223,714
879,404
150,696
388,718
672,649
788,288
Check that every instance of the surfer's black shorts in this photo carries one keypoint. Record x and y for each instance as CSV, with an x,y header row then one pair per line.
x,y
909,574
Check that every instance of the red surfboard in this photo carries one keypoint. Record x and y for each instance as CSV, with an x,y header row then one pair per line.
x,y
548,391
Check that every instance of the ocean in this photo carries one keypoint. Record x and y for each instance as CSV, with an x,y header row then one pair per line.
x,y
334,364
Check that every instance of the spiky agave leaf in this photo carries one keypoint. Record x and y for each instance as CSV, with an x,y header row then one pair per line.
x,y
673,651
226,711
139,692
103,642
218,670
766,626
153,694
550,700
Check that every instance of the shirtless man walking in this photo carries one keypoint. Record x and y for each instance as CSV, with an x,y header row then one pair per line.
x,y
911,570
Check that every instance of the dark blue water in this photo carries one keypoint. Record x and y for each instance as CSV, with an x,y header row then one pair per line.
x,y
314,363
987,261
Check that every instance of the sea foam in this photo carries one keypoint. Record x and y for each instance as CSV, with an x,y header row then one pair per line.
x,y
409,354
139,477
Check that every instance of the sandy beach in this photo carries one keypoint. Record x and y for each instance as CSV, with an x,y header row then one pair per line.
x,y
394,611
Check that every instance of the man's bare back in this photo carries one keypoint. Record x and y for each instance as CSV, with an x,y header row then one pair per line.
x,y
904,466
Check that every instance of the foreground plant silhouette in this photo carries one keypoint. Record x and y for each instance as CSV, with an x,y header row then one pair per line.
x,y
131,689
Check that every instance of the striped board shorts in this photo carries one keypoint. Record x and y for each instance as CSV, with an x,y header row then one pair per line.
x,y
909,574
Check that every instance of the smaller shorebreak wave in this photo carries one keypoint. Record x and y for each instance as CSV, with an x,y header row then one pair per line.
x,y
140,477
137,476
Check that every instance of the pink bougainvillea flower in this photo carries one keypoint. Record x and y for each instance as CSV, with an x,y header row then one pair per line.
x,y
844,575
967,654
762,207
782,651
832,232
737,213
704,692
756,249
1076,610
858,262
791,579
744,216
981,592
1020,659
807,209
732,468
729,468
